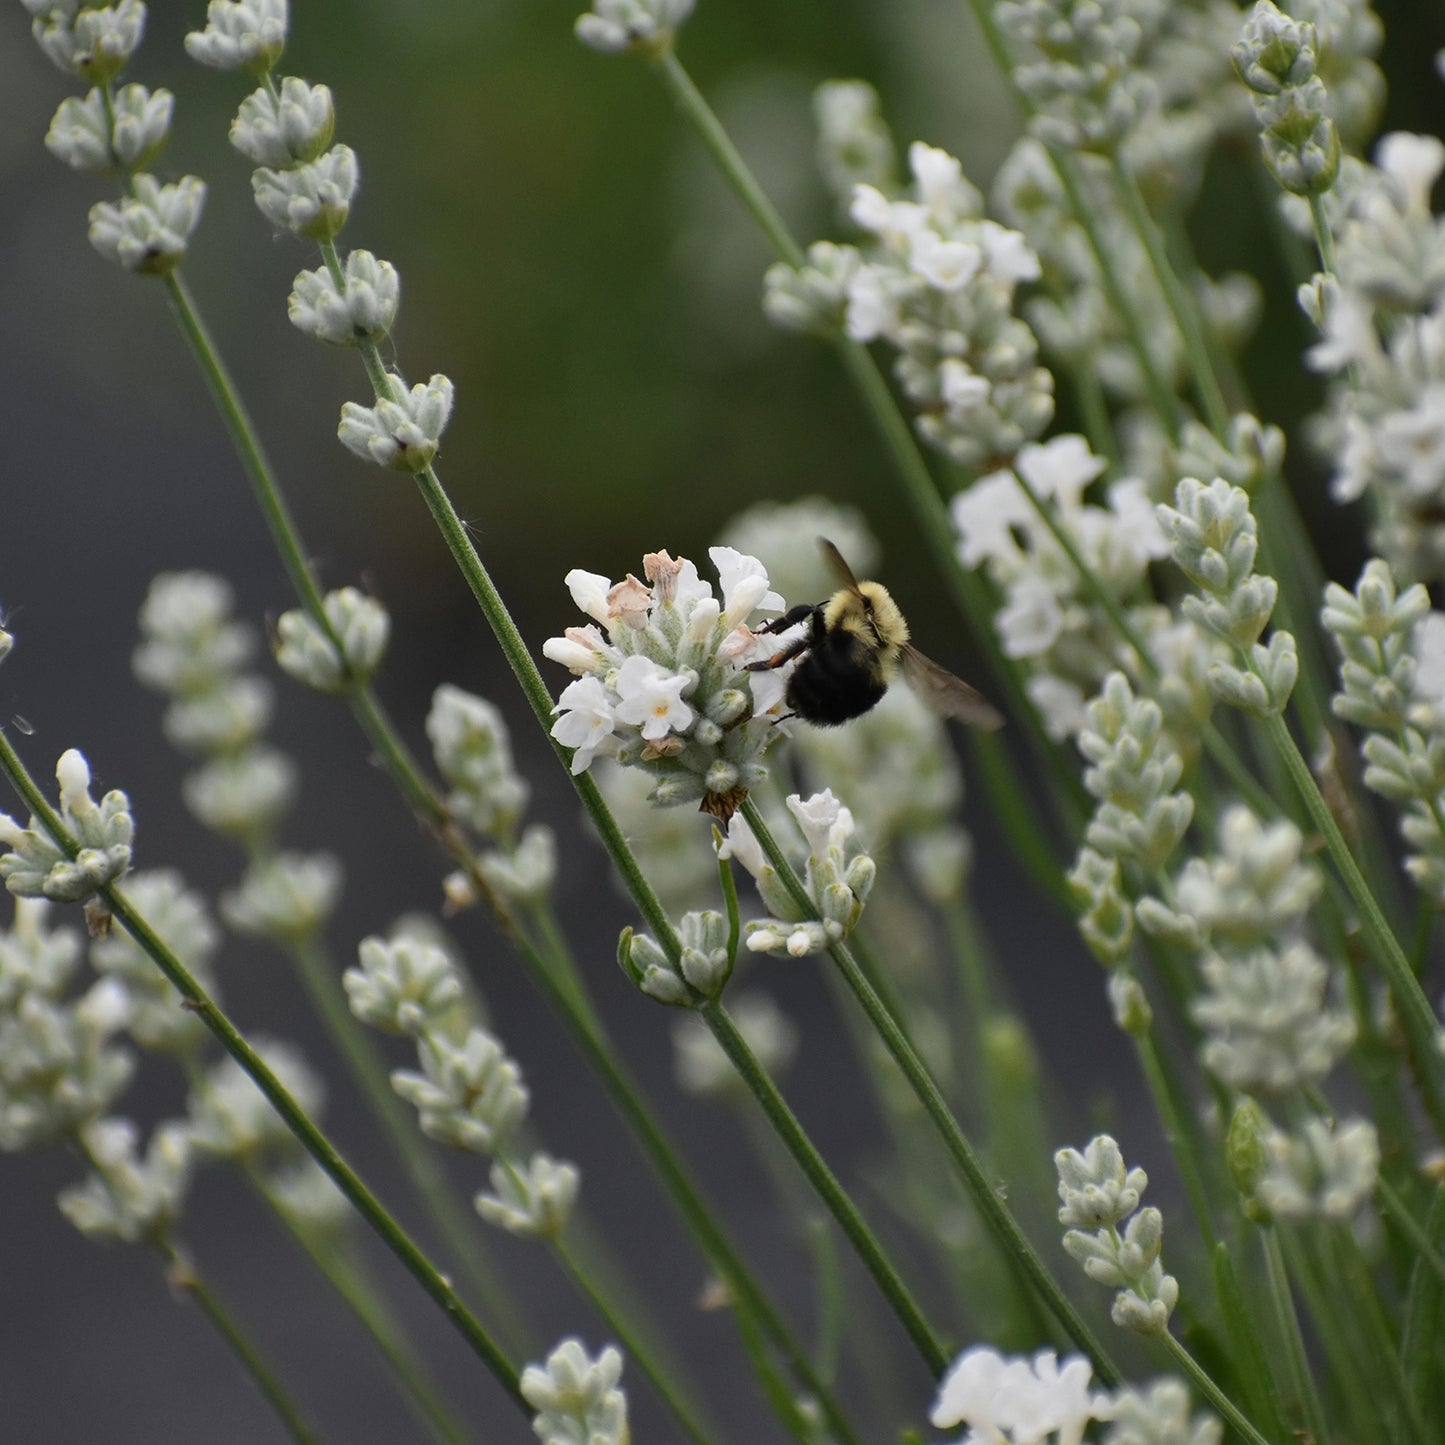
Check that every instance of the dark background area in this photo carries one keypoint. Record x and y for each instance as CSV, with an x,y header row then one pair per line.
x,y
570,260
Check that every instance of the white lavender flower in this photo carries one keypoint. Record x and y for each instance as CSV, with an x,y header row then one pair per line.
x,y
232,1118
468,1094
1213,538
1267,1025
403,985
58,1064
93,41
242,797
837,876
311,200
473,751
286,897
36,866
632,27
240,35
1015,1400
1078,66
1134,766
286,126
361,628
225,719
402,431
125,1196
1106,920
703,1068
360,307
149,230
87,136
702,969
158,1018
577,1398
663,689
532,1200
309,1198
1159,1415
1320,1171
189,641
1099,1194
524,871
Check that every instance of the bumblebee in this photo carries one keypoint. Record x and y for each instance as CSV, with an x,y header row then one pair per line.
x,y
855,645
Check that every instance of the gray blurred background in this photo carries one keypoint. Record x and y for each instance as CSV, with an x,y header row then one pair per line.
x,y
570,260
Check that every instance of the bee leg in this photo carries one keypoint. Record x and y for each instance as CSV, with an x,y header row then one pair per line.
x,y
801,613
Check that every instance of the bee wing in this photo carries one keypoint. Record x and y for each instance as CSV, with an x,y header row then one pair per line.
x,y
841,569
946,694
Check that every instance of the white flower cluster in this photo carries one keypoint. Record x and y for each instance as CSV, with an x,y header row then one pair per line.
x,y
1099,1195
1134,769
1047,618
936,281
1382,322
469,1093
1213,538
241,35
37,867
577,1398
59,1066
180,917
838,876
632,27
340,655
1078,66
1017,1400
660,680
110,130
126,1196
855,147
1392,647
488,795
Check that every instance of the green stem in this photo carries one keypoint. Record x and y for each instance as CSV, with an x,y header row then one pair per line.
x,y
182,1275
825,1183
1415,1011
312,1138
1247,1351
985,1197
1204,1382
1425,1250
1287,1322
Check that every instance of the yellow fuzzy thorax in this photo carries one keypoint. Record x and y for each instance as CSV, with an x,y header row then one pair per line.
x,y
869,613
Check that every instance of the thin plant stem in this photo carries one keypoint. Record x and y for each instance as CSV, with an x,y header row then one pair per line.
x,y
1205,1383
682,1409
182,1275
825,1183
1251,1359
1399,1211
312,1138
356,1292
1287,1323
995,1213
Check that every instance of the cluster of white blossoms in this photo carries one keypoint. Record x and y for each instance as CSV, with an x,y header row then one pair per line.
x,y
194,653
488,796
468,1092
1038,1400
661,683
1392,685
577,1398
936,280
112,131
1047,619
1099,1195
1381,315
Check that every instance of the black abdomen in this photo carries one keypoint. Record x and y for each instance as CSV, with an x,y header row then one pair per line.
x,y
837,679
